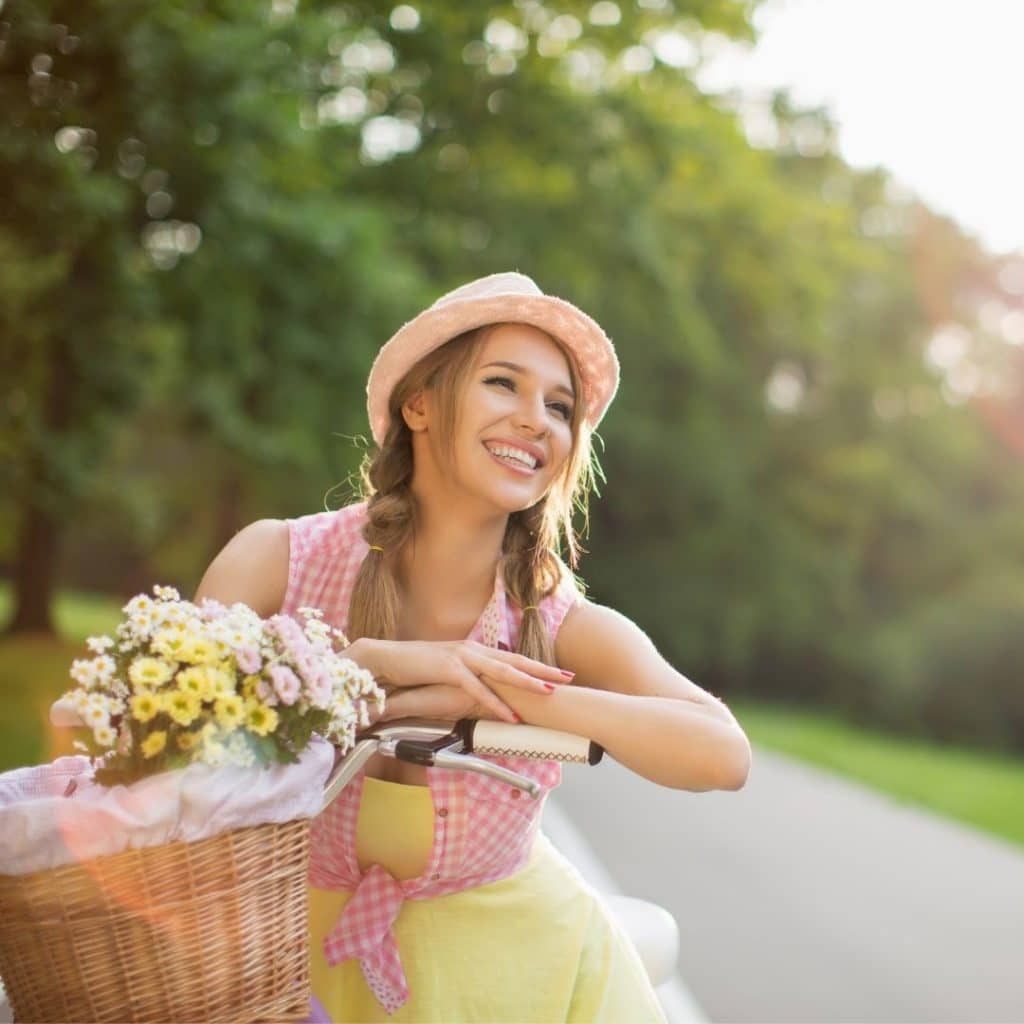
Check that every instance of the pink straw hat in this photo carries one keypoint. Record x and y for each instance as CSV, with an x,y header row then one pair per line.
x,y
497,298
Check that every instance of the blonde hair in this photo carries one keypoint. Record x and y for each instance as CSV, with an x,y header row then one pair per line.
x,y
532,565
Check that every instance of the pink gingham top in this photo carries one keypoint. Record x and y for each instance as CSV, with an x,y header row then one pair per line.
x,y
483,828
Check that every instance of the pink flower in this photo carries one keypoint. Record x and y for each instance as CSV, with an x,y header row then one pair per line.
x,y
303,655
248,658
210,609
286,683
308,667
320,689
265,692
293,639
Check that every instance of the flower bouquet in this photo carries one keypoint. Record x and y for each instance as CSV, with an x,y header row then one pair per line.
x,y
214,684
163,877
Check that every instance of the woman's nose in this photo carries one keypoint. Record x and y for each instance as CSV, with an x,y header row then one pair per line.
x,y
533,414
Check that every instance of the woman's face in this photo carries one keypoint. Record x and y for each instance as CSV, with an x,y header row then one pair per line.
x,y
525,405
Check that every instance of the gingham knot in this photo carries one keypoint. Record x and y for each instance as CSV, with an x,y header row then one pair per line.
x,y
363,931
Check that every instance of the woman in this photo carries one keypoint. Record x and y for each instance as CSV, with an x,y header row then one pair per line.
x,y
433,894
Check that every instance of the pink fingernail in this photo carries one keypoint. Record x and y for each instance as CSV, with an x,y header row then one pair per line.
x,y
571,675
550,687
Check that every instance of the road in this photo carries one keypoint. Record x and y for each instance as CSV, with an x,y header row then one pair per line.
x,y
805,897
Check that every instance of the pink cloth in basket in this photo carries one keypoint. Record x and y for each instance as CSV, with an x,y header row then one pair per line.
x,y
483,828
42,828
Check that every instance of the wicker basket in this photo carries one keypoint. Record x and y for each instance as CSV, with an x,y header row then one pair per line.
x,y
214,930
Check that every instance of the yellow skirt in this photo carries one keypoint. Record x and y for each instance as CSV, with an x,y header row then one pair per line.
x,y
539,945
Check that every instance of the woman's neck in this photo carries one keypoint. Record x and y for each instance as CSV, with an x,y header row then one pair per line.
x,y
449,567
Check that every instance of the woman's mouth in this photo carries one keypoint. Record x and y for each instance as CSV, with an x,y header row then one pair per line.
x,y
514,465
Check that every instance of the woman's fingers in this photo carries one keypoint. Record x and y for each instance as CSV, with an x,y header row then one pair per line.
x,y
538,668
438,700
406,663
486,697
504,671
432,701
528,666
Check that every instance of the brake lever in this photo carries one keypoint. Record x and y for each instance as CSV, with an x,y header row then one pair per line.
x,y
449,752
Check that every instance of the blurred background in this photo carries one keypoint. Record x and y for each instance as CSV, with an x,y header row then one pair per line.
x,y
796,221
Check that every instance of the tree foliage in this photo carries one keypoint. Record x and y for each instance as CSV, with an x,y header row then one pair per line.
x,y
215,213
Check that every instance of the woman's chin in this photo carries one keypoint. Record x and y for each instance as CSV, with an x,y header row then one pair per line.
x,y
509,501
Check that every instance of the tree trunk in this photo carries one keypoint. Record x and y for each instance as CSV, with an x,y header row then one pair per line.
x,y
228,510
34,576
39,531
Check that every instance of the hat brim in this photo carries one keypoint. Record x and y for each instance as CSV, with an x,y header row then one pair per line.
x,y
580,334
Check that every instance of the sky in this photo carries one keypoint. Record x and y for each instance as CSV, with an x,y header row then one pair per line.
x,y
932,90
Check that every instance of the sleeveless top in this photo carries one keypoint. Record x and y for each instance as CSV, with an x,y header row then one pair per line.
x,y
484,828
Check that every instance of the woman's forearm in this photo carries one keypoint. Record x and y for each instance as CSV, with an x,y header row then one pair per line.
x,y
673,742
365,652
670,741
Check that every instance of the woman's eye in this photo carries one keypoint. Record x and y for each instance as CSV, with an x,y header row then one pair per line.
x,y
561,406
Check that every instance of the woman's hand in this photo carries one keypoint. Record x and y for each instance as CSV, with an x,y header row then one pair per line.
x,y
461,664
436,700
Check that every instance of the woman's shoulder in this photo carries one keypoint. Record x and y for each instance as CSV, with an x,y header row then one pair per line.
x,y
333,530
321,546
252,568
570,589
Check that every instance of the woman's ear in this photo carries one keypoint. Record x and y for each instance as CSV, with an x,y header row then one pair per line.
x,y
414,411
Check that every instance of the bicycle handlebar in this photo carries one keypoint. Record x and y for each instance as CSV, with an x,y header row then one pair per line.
x,y
440,744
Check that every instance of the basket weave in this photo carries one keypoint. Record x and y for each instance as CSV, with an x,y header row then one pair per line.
x,y
214,930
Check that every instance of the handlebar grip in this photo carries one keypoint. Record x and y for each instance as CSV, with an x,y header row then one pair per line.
x,y
501,739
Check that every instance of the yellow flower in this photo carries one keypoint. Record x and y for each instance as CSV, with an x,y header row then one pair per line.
x,y
196,680
229,711
249,684
148,672
222,684
206,652
182,707
187,740
154,743
197,650
259,718
169,643
145,705
185,649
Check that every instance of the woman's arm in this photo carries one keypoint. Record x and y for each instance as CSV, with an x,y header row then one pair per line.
x,y
252,568
626,697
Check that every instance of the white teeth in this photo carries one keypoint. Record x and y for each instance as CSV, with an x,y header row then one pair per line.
x,y
513,453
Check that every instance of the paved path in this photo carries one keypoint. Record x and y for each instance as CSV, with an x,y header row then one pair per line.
x,y
807,898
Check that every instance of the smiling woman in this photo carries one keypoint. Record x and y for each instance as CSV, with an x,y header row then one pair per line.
x,y
448,580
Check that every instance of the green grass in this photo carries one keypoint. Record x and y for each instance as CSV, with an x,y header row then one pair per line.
x,y
985,790
34,673
980,789
77,614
